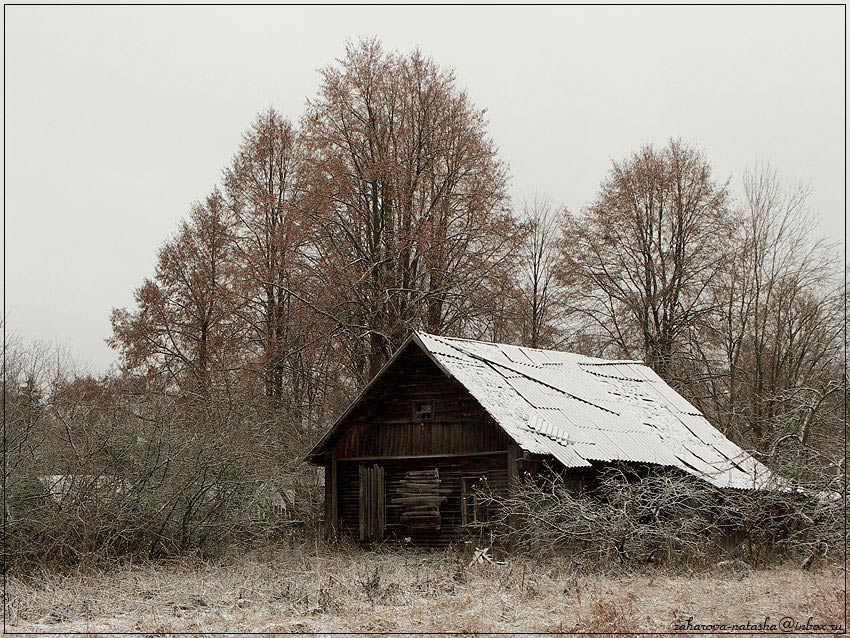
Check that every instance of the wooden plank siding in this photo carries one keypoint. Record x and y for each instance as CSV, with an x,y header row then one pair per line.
x,y
372,507
384,425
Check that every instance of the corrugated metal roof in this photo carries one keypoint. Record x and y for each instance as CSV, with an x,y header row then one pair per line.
x,y
580,409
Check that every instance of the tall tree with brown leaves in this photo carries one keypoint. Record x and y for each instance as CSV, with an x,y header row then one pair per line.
x,y
269,233
409,197
184,328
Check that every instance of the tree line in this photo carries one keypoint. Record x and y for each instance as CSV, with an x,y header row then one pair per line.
x,y
386,210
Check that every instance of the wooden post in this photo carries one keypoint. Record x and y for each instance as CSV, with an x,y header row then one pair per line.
x,y
361,502
331,527
382,504
514,460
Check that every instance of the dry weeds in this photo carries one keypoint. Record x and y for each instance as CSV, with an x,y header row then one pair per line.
x,y
313,589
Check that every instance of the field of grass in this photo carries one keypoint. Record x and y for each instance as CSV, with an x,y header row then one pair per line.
x,y
316,589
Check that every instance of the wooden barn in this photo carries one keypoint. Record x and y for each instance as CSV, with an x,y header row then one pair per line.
x,y
444,414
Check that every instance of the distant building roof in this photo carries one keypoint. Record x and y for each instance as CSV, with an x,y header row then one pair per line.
x,y
580,409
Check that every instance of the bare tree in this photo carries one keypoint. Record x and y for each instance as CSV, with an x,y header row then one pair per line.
x,y
639,258
771,349
541,298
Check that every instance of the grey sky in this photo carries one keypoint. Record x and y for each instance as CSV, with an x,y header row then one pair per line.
x,y
117,119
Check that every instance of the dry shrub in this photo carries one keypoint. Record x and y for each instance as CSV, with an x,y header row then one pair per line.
x,y
610,615
197,481
633,516
826,603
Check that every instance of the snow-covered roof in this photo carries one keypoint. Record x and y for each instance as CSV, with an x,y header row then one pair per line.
x,y
580,409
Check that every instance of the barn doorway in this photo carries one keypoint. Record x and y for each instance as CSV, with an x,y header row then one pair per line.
x,y
372,503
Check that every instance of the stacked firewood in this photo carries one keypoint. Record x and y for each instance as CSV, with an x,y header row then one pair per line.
x,y
419,495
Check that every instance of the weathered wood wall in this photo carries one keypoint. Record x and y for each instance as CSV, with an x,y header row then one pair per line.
x,y
451,470
384,425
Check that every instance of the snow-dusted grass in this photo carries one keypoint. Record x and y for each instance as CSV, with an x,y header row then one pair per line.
x,y
315,589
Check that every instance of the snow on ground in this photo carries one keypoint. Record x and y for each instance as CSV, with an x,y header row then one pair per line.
x,y
302,589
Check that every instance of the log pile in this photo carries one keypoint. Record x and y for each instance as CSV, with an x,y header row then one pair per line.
x,y
419,496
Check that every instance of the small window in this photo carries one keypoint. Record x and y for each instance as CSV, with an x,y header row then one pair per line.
x,y
423,410
473,510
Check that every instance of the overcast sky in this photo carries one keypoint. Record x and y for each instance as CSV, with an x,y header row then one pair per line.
x,y
117,119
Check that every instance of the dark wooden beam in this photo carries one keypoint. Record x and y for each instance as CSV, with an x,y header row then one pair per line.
x,y
429,456
331,527
514,462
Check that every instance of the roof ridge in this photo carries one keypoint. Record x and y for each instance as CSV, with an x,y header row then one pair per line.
x,y
612,362
514,345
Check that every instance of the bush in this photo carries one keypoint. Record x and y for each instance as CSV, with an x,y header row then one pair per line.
x,y
636,515
151,478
